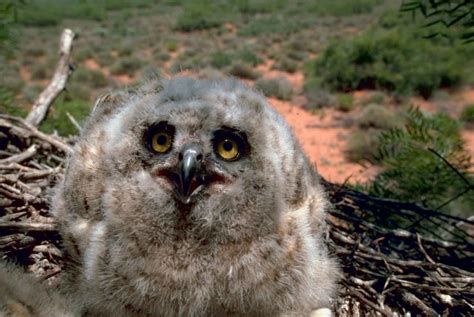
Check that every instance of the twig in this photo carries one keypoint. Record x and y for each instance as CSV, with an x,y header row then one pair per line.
x,y
31,151
74,121
22,226
58,82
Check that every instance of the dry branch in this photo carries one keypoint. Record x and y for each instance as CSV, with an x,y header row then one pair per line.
x,y
58,82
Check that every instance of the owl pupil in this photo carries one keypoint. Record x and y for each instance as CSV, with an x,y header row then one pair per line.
x,y
227,145
161,139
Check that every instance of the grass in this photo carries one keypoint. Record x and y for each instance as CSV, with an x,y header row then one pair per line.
x,y
7,104
58,120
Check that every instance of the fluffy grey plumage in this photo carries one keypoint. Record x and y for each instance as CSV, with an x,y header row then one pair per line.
x,y
21,295
157,222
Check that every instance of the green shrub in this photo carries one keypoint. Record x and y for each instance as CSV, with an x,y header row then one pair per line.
x,y
345,102
378,117
363,146
52,12
411,172
78,91
467,115
394,60
274,24
49,12
171,46
90,77
285,64
342,7
275,87
221,59
198,15
126,66
83,53
318,98
242,70
258,6
249,56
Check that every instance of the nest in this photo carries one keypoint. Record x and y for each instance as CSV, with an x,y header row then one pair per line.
x,y
397,258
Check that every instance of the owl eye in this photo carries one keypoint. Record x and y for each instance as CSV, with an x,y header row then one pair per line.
x,y
228,146
161,137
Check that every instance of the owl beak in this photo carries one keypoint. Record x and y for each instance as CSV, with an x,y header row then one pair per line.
x,y
189,169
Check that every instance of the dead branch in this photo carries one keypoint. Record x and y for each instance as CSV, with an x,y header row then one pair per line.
x,y
58,82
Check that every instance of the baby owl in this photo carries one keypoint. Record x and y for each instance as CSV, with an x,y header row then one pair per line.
x,y
193,198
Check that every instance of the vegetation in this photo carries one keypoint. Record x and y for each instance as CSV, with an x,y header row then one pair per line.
x,y
58,119
275,87
444,13
392,60
415,160
467,115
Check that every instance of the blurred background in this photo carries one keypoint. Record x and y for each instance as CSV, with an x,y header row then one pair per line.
x,y
380,96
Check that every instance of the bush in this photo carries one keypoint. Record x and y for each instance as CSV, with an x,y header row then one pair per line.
x,y
363,146
467,115
242,70
285,64
273,24
345,102
126,66
249,56
221,59
378,117
318,97
198,15
90,77
49,12
258,6
414,173
394,60
275,87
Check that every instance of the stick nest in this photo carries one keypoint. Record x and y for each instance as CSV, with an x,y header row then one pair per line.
x,y
397,258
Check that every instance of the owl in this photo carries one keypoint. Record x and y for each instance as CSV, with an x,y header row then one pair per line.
x,y
192,197
22,295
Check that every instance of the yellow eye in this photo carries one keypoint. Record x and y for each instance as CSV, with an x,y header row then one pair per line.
x,y
161,141
227,149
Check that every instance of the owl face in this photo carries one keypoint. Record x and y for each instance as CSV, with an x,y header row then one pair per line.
x,y
205,159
